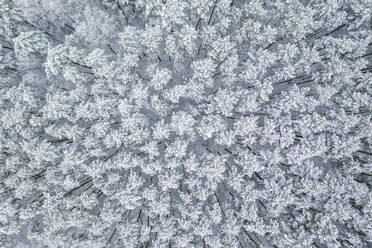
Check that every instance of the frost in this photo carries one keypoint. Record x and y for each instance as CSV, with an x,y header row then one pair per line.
x,y
185,123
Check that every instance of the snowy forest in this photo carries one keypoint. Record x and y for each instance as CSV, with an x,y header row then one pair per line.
x,y
185,123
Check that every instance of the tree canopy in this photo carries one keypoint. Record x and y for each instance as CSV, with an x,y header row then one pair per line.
x,y
185,123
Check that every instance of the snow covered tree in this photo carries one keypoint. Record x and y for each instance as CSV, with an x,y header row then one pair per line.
x,y
176,123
